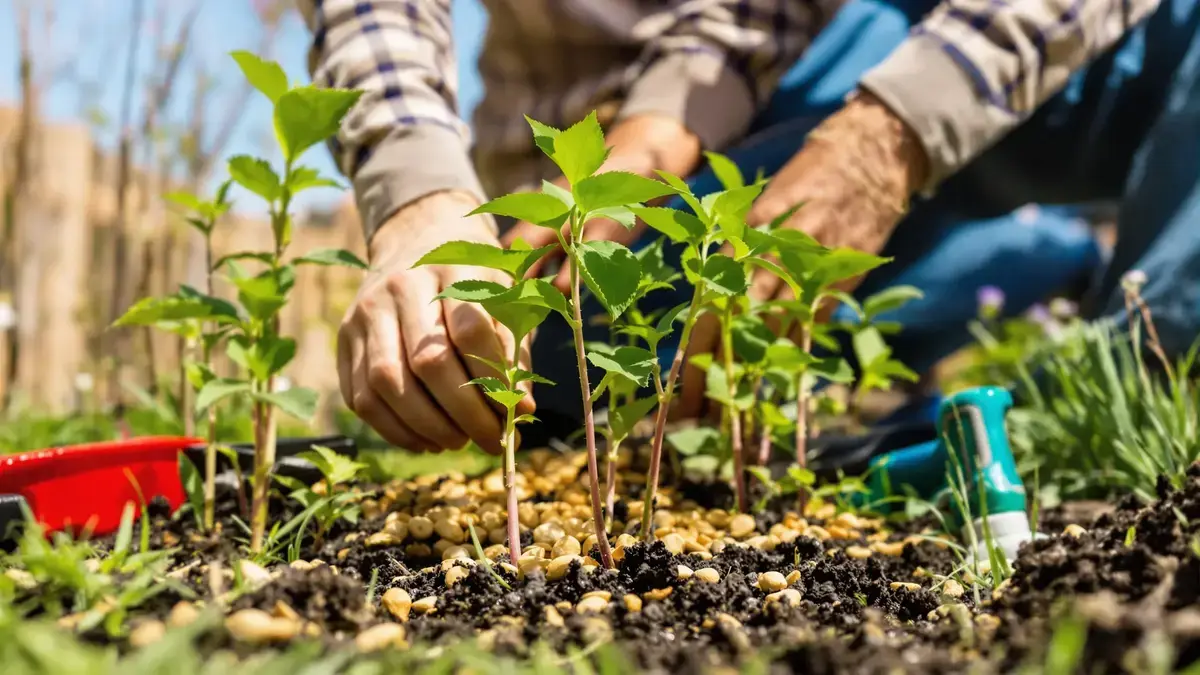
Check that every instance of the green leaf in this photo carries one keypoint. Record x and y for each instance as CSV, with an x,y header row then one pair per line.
x,y
802,476
535,207
472,290
256,175
579,150
667,320
332,256
266,76
695,441
723,275
218,390
869,346
264,356
308,115
632,363
617,188
198,374
183,306
727,172
543,136
678,226
265,258
729,208
336,468
834,369
514,262
299,402
621,214
498,392
187,200
304,178
623,417
681,188
890,299
751,338
526,376
560,193
845,263
265,294
787,356
612,273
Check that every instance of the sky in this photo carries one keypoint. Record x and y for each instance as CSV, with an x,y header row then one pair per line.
x,y
88,48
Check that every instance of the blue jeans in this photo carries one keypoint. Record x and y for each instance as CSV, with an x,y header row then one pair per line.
x,y
1126,128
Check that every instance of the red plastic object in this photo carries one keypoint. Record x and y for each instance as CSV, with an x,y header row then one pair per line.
x,y
86,487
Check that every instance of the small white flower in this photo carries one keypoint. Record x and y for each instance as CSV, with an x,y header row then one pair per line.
x,y
8,316
1062,308
1133,280
282,383
84,382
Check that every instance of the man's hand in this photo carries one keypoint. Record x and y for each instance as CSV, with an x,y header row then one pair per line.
x,y
640,145
402,356
854,176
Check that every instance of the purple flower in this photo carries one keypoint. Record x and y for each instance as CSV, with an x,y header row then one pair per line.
x,y
1063,309
991,301
1040,314
1133,280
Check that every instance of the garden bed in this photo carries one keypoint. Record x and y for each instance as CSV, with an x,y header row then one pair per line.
x,y
828,591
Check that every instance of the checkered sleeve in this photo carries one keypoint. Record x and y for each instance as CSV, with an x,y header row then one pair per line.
x,y
404,139
711,64
974,69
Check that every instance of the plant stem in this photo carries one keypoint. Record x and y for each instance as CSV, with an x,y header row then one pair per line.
x,y
664,404
510,485
210,449
186,413
802,404
735,415
264,461
764,445
589,423
610,462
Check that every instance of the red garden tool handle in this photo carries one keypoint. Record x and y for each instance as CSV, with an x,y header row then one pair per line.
x,y
86,487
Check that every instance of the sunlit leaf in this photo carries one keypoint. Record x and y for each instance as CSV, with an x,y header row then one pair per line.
x,y
305,116
678,226
579,150
632,363
266,76
534,207
611,272
514,262
617,188
332,256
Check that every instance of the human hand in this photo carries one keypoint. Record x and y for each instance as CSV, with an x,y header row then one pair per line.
x,y
854,176
641,145
403,357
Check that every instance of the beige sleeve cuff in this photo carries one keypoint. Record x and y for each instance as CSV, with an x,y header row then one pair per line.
x,y
710,99
410,162
926,88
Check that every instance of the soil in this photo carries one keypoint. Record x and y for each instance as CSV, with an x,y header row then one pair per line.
x,y
1131,577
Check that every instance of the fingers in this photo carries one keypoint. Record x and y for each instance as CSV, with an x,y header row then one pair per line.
x,y
434,360
536,236
354,380
705,337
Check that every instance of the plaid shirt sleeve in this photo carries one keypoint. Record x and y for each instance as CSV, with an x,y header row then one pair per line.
x,y
712,64
404,139
974,69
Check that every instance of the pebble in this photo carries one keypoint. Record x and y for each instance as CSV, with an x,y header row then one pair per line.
x,y
894,548
904,585
952,589
553,618
1074,530
658,593
456,553
23,579
398,603
708,575
632,602
455,575
147,633
425,605
256,626
793,577
674,543
607,595
450,531
787,596
420,527
858,552
548,533
384,538
380,637
817,532
182,614
741,525
683,572
253,574
987,621
772,581
568,545
560,566
591,605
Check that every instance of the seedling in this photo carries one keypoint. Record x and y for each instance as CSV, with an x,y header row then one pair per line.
x,y
611,272
303,116
333,502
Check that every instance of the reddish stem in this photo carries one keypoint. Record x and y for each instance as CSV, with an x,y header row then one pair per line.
x,y
764,445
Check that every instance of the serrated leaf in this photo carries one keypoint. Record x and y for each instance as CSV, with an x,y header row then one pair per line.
x,y
543,136
263,357
256,175
623,417
513,262
678,226
266,76
833,368
525,419
265,294
558,192
525,376
299,402
890,299
534,207
668,319
840,264
496,390
335,467
724,275
611,272
617,188
305,116
472,290
218,390
730,208
332,256
579,150
621,214
751,339
787,356
726,171
695,441
180,307
681,188
305,178
632,363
